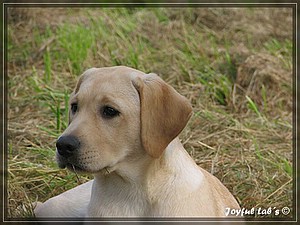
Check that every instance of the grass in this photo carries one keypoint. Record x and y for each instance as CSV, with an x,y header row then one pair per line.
x,y
75,40
242,136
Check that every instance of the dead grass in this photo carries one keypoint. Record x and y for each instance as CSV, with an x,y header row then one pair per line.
x,y
213,56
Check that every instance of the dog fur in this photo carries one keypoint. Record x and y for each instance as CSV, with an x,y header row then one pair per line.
x,y
140,167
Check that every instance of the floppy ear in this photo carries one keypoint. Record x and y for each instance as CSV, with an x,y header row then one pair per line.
x,y
164,113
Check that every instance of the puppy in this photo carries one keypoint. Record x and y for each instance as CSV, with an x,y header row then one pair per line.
x,y
123,128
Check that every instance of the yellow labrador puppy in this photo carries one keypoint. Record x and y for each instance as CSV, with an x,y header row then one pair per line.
x,y
123,129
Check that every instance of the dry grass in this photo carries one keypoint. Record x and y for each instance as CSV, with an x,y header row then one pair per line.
x,y
214,56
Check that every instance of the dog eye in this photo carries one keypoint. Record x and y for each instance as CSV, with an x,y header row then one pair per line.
x,y
74,108
109,112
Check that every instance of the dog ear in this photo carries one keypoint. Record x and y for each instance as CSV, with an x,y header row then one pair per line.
x,y
164,113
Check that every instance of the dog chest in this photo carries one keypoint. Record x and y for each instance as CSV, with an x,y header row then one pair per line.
x,y
112,197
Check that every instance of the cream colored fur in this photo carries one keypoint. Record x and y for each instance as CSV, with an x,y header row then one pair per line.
x,y
139,165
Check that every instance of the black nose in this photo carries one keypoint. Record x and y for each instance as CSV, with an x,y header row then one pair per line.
x,y
67,145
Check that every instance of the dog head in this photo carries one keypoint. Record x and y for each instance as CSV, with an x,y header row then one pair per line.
x,y
116,113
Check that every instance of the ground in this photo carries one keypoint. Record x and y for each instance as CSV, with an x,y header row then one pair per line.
x,y
233,64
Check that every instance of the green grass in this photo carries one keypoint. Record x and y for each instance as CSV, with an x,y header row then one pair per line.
x,y
245,140
252,106
282,49
75,41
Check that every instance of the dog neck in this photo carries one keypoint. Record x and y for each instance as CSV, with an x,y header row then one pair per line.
x,y
174,165
146,184
174,169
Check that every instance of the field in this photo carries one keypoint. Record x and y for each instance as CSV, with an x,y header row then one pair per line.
x,y
233,64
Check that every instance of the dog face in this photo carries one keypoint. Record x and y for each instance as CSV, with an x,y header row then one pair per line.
x,y
104,121
117,113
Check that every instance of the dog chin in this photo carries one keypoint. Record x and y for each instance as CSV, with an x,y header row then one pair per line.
x,y
65,163
62,164
78,169
75,168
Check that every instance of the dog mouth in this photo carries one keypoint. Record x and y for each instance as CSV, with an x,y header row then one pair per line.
x,y
76,168
69,163
65,163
